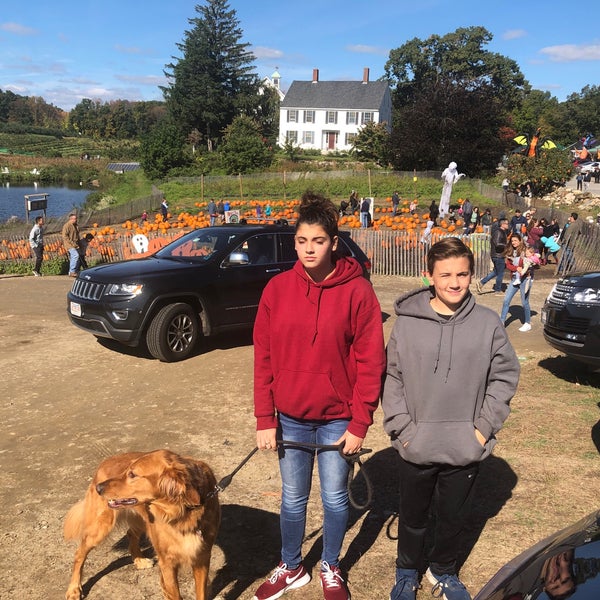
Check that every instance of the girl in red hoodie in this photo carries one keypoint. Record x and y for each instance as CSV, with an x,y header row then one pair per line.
x,y
318,362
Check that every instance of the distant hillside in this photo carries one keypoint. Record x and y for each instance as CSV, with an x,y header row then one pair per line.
x,y
52,146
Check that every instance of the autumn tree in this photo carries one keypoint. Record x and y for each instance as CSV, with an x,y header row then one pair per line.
x,y
213,79
552,168
244,149
121,119
449,95
372,143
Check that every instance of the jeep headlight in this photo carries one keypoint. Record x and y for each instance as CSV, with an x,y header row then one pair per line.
x,y
124,289
587,296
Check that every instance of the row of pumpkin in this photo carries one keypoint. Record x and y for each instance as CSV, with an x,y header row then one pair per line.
x,y
111,242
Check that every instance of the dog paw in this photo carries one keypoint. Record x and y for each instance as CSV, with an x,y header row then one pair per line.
x,y
143,563
74,593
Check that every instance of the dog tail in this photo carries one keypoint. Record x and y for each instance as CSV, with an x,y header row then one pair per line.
x,y
73,528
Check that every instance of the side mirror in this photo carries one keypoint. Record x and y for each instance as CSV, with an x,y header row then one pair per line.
x,y
238,258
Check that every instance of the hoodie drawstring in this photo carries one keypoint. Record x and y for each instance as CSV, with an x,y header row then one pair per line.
x,y
439,349
317,315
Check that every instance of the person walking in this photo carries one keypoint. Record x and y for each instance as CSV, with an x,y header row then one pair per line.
x,y
365,212
486,221
498,241
587,178
36,241
517,222
212,212
70,236
467,212
514,257
318,362
446,396
434,212
164,209
395,203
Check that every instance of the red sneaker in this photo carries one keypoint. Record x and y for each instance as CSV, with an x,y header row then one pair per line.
x,y
334,587
281,580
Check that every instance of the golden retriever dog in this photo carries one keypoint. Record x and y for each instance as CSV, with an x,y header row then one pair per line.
x,y
173,499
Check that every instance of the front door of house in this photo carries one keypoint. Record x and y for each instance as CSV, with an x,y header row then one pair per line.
x,y
331,140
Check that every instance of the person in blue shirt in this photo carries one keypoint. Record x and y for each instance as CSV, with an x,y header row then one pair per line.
x,y
517,222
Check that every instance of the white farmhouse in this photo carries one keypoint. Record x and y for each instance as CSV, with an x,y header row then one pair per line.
x,y
327,115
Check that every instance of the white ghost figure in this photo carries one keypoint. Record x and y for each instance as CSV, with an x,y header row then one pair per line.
x,y
140,243
450,177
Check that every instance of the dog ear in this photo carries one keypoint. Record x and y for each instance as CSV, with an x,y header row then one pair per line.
x,y
172,483
192,497
196,490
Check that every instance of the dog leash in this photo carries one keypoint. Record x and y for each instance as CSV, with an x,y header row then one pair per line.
x,y
352,459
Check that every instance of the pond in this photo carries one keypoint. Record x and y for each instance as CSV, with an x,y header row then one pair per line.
x,y
61,200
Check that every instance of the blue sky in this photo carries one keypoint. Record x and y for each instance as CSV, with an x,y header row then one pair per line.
x,y
67,50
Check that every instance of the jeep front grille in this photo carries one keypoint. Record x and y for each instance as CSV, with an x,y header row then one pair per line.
x,y
88,290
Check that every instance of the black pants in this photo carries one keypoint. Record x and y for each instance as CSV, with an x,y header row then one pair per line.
x,y
449,491
38,251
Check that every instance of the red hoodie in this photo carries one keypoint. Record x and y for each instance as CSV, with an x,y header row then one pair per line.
x,y
318,348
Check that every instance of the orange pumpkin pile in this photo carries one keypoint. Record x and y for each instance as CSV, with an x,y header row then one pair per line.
x,y
115,242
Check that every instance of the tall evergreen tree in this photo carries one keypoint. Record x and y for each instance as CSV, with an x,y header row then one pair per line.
x,y
214,78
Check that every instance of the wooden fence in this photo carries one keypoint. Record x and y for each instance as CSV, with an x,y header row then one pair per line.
x,y
390,252
394,253
402,253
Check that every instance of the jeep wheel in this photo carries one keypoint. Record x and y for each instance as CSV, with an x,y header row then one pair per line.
x,y
173,333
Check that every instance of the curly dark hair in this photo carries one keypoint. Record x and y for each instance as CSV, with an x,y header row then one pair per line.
x,y
315,209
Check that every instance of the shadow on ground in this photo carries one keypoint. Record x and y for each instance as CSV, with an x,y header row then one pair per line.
x,y
571,370
494,488
223,341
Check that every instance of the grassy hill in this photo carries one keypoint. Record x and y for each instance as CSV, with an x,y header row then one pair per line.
x,y
52,146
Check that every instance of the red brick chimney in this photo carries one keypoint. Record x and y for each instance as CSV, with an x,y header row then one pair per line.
x,y
365,75
315,75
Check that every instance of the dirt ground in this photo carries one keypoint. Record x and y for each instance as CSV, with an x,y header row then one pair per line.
x,y
70,401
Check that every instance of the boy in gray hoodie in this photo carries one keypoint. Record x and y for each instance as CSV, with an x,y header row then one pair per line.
x,y
451,374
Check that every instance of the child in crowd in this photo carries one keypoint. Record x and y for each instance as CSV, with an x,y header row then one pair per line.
x,y
84,242
531,259
550,246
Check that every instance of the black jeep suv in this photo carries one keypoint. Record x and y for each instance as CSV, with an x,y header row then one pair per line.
x,y
206,282
571,317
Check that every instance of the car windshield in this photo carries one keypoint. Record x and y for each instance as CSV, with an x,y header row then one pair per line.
x,y
198,245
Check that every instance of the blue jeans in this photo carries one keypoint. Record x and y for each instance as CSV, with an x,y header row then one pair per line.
x,y
74,260
296,466
511,290
498,272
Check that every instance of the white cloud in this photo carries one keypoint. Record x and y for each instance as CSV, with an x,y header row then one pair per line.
x,y
264,52
18,29
143,79
16,89
514,34
572,52
364,49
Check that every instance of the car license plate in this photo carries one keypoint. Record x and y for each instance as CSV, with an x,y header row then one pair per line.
x,y
76,309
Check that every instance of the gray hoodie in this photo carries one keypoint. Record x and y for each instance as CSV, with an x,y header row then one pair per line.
x,y
446,377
